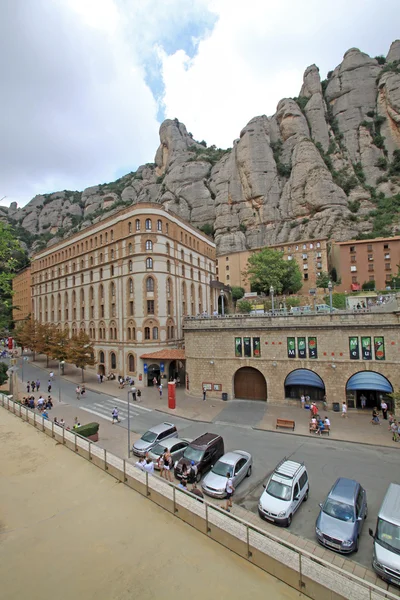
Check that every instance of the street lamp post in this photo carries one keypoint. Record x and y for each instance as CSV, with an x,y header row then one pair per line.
x,y
131,391
330,295
271,291
222,302
59,379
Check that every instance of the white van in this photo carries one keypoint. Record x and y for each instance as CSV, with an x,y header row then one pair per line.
x,y
284,492
386,559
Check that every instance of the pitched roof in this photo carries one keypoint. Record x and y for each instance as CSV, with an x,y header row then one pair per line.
x,y
167,354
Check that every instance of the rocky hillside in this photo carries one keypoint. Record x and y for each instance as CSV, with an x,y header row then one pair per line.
x,y
327,163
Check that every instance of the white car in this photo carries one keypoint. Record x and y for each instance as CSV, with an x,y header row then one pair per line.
x,y
238,463
284,492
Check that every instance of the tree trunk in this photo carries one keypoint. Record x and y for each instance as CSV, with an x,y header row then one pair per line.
x,y
83,376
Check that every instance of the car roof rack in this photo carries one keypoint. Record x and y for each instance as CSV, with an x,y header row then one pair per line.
x,y
290,473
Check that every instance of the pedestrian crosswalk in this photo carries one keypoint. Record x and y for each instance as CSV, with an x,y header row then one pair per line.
x,y
104,408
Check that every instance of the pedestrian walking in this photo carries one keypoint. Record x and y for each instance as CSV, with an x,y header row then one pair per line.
x,y
28,388
83,390
51,375
33,385
98,378
49,387
134,392
375,417
384,409
178,381
139,395
101,377
37,385
78,392
154,381
394,427
204,394
302,400
363,400
160,389
344,409
115,416
308,400
229,492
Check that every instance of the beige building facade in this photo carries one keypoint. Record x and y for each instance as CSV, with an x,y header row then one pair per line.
x,y
310,255
361,261
128,282
278,359
22,299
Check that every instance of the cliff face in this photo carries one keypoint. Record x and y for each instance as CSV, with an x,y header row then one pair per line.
x,y
323,165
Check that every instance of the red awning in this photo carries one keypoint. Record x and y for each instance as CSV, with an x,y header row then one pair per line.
x,y
167,354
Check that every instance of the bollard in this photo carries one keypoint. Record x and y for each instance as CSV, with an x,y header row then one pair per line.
x,y
52,429
90,450
208,530
125,479
147,484
63,440
76,447
249,553
42,423
34,419
105,460
173,496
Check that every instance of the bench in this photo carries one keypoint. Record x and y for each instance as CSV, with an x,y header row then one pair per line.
x,y
325,430
285,423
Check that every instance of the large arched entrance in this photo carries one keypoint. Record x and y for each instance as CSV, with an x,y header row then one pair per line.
x,y
153,371
369,386
250,384
303,382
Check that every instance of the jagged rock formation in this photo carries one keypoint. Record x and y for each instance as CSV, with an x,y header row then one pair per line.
x,y
323,165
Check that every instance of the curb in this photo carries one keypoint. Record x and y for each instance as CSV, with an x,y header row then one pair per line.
x,y
185,418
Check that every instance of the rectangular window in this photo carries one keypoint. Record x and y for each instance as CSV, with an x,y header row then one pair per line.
x,y
352,248
354,348
370,257
247,347
387,267
131,308
370,267
387,256
353,259
102,310
238,347
291,347
150,307
113,313
386,246
371,278
312,347
354,280
353,268
369,247
256,347
301,347
379,346
305,276
169,307
366,350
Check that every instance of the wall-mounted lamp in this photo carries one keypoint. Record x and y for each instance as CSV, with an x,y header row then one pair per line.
x,y
274,364
211,362
333,366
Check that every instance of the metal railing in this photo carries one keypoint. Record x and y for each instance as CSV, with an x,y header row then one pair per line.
x,y
298,568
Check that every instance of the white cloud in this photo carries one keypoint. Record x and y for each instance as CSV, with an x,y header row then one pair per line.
x,y
257,54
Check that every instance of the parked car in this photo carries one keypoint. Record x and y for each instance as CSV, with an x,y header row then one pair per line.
x,y
152,437
386,559
342,515
300,310
322,308
238,463
204,451
176,446
284,492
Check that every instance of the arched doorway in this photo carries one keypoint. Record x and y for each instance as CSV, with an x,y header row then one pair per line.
x,y
250,384
303,382
373,386
153,371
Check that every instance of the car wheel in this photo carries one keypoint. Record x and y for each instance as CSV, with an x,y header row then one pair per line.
x,y
248,472
356,548
306,496
289,520
198,477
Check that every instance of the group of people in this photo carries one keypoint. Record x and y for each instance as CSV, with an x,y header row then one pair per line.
x,y
41,404
80,391
318,424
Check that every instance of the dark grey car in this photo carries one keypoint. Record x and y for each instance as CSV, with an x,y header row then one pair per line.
x,y
342,516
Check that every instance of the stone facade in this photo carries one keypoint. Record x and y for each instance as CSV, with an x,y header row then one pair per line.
x,y
22,301
127,281
210,351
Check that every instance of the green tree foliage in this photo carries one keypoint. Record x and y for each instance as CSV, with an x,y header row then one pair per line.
x,y
237,293
12,259
368,285
338,300
244,306
208,229
268,267
324,278
3,373
27,335
81,351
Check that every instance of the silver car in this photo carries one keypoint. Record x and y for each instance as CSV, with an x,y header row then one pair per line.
x,y
238,463
151,437
176,447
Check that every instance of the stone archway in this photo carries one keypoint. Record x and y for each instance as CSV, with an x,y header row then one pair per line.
x,y
250,384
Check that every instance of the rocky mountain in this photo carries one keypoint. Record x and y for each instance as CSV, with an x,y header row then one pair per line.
x,y
327,163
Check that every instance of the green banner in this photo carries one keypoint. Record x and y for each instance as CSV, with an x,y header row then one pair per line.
x,y
366,348
256,347
312,347
247,346
379,344
301,347
354,348
291,347
238,347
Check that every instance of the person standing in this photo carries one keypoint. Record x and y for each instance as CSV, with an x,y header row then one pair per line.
x,y
149,466
344,409
33,385
101,377
134,392
78,392
37,385
204,393
229,492
83,390
49,386
184,478
167,464
154,381
384,409
160,389
363,400
28,388
303,400
115,416
51,375
139,395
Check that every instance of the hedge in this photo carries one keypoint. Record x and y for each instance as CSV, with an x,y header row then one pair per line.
x,y
88,429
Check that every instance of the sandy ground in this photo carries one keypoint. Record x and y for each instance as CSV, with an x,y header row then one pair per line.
x,y
68,530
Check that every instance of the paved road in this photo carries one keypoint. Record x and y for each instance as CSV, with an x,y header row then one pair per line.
x,y
375,467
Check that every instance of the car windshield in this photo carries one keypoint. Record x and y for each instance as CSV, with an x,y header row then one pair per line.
x,y
221,468
158,449
339,510
389,535
279,490
149,436
194,454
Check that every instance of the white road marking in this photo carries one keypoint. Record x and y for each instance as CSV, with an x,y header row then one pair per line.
x,y
98,414
136,405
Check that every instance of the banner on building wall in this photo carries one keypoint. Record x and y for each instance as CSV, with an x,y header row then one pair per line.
x,y
238,347
291,347
354,348
379,344
256,347
366,349
312,347
301,347
247,346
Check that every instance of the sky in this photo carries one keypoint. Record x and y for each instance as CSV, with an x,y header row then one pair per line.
x,y
85,84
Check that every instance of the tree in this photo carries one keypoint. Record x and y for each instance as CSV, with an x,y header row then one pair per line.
x,y
12,259
45,337
3,373
324,278
81,351
244,306
368,285
60,345
27,335
268,268
237,294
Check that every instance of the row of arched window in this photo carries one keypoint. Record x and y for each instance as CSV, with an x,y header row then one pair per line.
x,y
113,361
